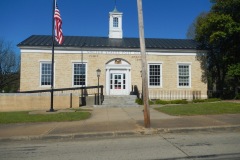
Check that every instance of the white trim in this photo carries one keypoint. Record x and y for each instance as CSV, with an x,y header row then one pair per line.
x,y
129,80
79,51
161,79
86,69
172,53
127,89
190,74
107,83
40,73
126,52
115,32
118,68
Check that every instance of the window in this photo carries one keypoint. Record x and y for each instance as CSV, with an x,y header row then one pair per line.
x,y
183,75
79,74
115,22
46,73
117,81
154,75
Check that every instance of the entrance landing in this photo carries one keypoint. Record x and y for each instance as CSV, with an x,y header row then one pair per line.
x,y
119,101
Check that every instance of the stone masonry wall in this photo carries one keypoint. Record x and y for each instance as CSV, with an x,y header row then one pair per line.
x,y
30,70
35,101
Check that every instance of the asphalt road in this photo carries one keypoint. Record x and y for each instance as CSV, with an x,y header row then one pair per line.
x,y
198,145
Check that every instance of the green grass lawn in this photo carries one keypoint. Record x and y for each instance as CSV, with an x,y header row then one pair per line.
x,y
24,117
201,109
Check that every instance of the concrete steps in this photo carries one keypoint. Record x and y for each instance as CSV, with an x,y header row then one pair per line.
x,y
119,101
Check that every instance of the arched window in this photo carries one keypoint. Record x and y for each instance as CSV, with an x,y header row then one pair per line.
x,y
115,22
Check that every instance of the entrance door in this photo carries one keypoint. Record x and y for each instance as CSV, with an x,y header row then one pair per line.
x,y
118,83
118,77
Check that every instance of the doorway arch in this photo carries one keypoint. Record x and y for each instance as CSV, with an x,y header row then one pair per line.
x,y
118,77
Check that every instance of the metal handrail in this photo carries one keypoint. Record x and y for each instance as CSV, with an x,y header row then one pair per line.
x,y
62,89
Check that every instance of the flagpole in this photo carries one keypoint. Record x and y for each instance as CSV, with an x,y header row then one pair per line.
x,y
53,37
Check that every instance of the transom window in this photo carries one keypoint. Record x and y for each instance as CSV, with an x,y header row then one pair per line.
x,y
183,75
154,74
115,22
46,73
79,74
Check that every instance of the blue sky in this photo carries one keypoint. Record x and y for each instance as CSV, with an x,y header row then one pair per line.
x,y
162,18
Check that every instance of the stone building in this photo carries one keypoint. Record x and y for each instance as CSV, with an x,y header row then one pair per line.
x,y
173,69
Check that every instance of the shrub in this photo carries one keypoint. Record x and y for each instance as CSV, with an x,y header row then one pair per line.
x,y
139,101
237,96
161,102
183,101
198,100
212,99
151,102
206,100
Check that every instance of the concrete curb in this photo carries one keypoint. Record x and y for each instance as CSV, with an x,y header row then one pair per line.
x,y
199,129
142,132
70,136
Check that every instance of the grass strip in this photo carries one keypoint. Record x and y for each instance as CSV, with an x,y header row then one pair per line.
x,y
24,117
201,109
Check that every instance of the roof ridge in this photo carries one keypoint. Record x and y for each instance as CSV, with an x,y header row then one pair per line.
x,y
106,42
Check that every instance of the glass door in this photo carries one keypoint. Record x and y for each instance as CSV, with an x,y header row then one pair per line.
x,y
117,83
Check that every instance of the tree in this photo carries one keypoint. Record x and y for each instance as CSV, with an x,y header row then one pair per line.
x,y
9,68
219,33
234,75
191,32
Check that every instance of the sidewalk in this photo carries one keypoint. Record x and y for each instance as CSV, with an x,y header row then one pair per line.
x,y
117,122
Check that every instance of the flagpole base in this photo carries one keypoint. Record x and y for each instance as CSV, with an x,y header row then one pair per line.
x,y
51,110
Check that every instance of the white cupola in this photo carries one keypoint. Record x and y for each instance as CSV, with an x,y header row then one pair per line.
x,y
115,24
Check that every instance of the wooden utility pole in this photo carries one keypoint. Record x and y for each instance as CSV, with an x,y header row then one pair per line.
x,y
144,66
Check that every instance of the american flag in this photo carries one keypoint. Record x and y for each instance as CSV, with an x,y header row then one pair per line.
x,y
58,25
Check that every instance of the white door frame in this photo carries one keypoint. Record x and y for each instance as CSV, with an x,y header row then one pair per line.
x,y
118,85
115,68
